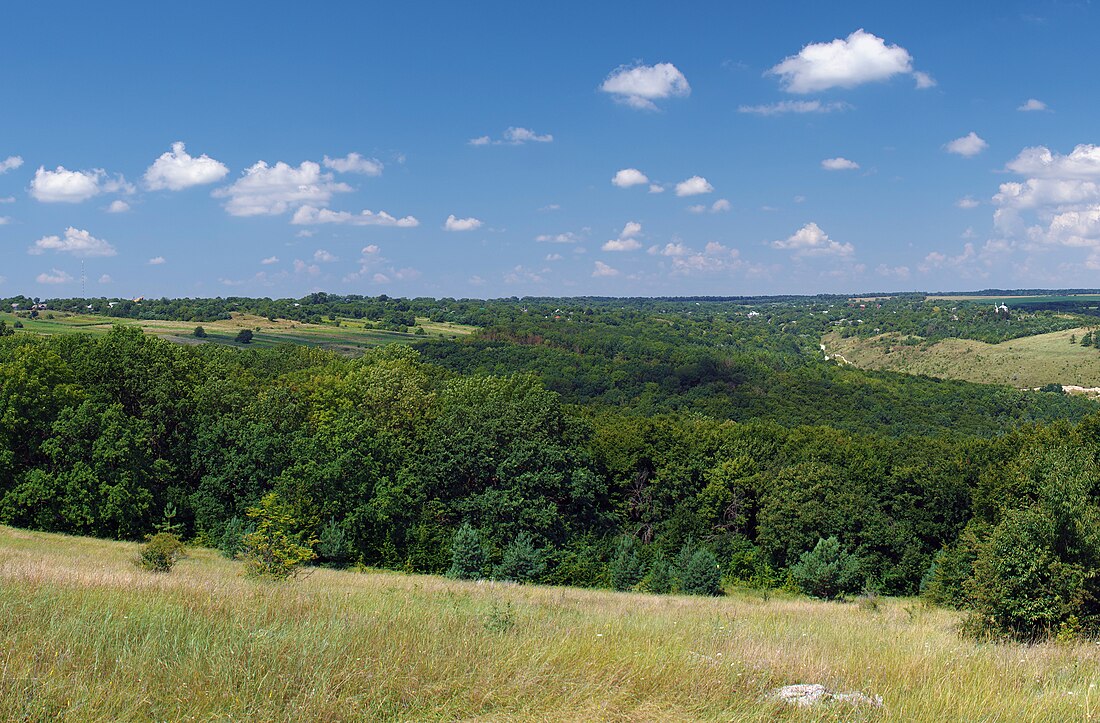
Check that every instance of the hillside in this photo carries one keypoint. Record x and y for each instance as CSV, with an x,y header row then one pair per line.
x,y
88,636
1026,363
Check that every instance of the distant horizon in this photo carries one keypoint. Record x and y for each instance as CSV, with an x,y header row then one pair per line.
x,y
615,150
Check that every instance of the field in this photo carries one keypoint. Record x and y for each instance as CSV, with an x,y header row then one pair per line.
x,y
88,636
1028,362
351,336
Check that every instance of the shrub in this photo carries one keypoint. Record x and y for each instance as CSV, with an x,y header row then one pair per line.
x,y
522,561
244,336
332,545
659,580
701,576
160,552
1021,587
467,554
276,550
230,541
626,567
827,571
199,332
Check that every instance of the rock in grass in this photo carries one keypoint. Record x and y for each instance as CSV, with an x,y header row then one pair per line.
x,y
807,694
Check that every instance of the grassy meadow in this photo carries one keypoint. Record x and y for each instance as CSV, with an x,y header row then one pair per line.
x,y
1028,362
86,635
350,336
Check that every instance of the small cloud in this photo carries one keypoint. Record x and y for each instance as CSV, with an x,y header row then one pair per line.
x,y
638,86
697,208
475,281
810,240
10,163
54,276
628,177
900,272
967,202
656,188
5,220
76,241
1032,105
924,80
839,164
324,257
176,170
310,215
969,145
846,63
264,190
64,186
621,244
354,163
305,233
270,260
157,261
720,206
693,186
558,238
554,257
551,207
626,240
461,224
118,206
513,136
602,270
7,199
795,106
106,279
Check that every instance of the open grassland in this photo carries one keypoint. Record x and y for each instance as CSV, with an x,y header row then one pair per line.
x,y
351,336
1028,362
85,635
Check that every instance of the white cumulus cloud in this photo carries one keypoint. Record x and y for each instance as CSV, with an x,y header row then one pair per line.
x,y
157,261
626,240
1032,105
810,240
354,163
177,170
461,224
54,276
639,85
76,241
966,202
795,106
309,216
323,256
265,190
969,145
602,270
10,163
513,136
118,206
64,186
846,63
270,260
628,177
693,186
839,164
568,237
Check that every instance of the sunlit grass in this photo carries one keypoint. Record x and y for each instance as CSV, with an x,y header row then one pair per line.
x,y
86,635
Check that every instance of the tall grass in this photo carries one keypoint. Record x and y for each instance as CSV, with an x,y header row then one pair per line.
x,y
86,635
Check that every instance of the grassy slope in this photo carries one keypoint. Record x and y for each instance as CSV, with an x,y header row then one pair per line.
x,y
84,635
349,337
1029,362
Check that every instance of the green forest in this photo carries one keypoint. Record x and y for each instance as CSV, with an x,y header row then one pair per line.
x,y
617,443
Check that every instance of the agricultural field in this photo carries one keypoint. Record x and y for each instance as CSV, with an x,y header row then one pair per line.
x,y
345,336
89,636
1028,362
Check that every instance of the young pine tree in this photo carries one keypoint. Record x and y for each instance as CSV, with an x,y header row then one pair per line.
x,y
467,554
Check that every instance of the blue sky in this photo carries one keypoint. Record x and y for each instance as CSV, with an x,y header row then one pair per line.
x,y
509,149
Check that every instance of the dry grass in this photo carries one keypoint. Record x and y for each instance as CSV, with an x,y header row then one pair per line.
x,y
1026,363
85,635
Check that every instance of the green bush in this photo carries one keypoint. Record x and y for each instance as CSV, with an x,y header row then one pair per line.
x,y
160,552
332,545
701,576
522,561
276,550
230,542
467,554
827,571
659,580
627,569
